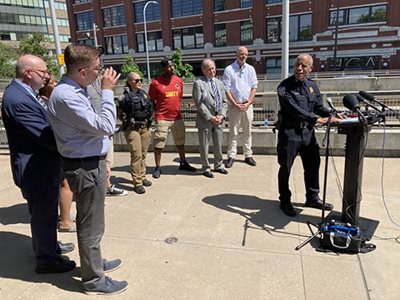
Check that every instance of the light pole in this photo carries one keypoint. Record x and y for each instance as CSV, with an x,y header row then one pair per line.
x,y
145,38
336,36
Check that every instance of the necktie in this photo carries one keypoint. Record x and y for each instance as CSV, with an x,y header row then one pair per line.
x,y
41,101
216,95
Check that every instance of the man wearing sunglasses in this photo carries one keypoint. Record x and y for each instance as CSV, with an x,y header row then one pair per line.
x,y
82,137
35,162
166,91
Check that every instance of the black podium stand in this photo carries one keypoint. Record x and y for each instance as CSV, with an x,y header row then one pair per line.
x,y
356,134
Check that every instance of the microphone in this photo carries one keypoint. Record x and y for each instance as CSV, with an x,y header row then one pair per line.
x,y
351,103
361,99
367,96
330,104
372,98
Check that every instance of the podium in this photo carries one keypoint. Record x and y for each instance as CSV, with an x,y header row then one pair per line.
x,y
356,134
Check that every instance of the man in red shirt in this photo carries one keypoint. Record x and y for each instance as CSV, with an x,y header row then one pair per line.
x,y
166,91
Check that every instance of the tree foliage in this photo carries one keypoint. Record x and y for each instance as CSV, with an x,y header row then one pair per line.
x,y
130,66
8,56
35,44
182,70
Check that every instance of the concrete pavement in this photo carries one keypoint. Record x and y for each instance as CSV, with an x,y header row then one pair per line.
x,y
191,237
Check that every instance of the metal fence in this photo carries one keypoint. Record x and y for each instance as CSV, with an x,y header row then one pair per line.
x,y
266,107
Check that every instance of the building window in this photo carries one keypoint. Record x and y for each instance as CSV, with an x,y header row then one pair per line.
x,y
84,20
154,41
276,1
220,35
181,8
354,63
300,28
274,66
219,5
89,42
246,3
116,44
152,12
246,33
114,16
81,1
357,15
188,38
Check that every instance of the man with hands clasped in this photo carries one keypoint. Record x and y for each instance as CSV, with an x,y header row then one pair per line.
x,y
209,97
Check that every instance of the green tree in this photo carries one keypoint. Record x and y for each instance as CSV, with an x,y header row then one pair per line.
x,y
182,70
8,57
130,66
35,44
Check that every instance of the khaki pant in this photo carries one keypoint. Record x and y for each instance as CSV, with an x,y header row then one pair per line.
x,y
138,143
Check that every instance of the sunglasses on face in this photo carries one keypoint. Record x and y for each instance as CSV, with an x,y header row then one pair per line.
x,y
137,80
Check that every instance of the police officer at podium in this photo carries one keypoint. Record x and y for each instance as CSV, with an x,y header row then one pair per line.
x,y
301,108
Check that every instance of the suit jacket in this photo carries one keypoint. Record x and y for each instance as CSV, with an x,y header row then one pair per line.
x,y
35,162
205,102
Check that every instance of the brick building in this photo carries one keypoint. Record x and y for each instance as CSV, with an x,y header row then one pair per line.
x,y
368,31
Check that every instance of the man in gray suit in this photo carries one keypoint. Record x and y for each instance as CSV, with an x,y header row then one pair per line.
x,y
209,97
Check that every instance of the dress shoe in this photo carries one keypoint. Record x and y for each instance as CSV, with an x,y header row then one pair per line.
x,y
146,183
60,264
318,204
287,209
250,161
184,166
208,174
229,162
221,170
139,189
111,265
157,172
106,286
64,248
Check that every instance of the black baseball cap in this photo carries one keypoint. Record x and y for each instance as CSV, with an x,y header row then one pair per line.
x,y
166,62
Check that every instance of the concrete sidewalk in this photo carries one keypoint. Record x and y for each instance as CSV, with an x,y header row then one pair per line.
x,y
191,237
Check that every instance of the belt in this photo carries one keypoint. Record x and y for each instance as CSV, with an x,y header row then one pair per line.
x,y
139,126
301,125
89,162
83,159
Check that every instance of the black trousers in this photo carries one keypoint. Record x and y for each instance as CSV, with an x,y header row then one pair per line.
x,y
291,142
43,208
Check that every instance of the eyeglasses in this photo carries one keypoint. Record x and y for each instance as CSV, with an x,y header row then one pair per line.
x,y
41,73
99,69
137,80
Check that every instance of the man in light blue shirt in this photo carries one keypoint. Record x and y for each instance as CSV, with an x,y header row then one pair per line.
x,y
82,137
240,81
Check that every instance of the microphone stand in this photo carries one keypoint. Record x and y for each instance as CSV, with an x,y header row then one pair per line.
x,y
309,223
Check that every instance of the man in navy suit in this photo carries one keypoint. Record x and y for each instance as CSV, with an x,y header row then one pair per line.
x,y
35,162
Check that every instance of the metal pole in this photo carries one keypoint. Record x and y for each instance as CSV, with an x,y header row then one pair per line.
x,y
55,33
336,36
285,39
145,39
95,35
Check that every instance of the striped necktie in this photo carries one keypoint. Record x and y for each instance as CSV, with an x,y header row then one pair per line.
x,y
216,95
41,101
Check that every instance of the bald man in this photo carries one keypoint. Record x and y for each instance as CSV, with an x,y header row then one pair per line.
x,y
240,82
35,162
301,108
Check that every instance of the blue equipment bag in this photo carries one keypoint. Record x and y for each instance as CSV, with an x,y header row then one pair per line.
x,y
340,237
